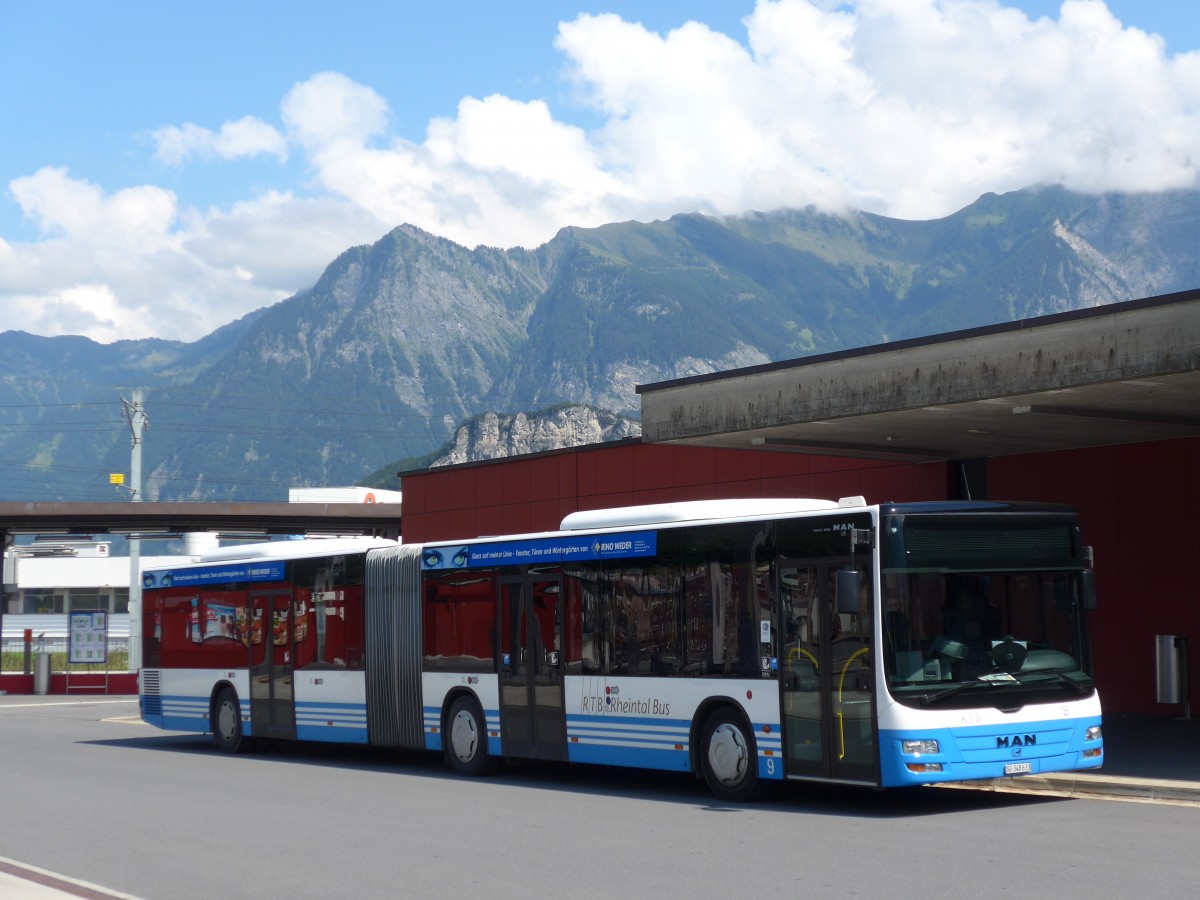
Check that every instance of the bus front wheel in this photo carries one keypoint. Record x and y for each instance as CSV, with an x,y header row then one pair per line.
x,y
466,739
728,758
227,723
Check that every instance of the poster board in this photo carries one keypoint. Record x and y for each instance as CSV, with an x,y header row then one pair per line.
x,y
87,637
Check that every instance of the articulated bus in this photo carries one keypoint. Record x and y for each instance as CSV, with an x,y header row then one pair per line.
x,y
744,641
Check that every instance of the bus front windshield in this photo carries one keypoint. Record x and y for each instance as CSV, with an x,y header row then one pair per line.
x,y
983,611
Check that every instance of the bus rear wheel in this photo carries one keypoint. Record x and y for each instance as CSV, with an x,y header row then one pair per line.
x,y
728,758
466,739
226,723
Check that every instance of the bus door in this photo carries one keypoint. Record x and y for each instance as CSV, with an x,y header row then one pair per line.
x,y
272,698
825,676
533,719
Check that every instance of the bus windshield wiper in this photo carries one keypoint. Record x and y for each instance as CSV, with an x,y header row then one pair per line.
x,y
935,696
991,679
1081,686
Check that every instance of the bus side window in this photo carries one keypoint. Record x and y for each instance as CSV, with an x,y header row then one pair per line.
x,y
352,627
573,601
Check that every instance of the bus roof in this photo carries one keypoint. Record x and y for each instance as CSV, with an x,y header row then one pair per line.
x,y
294,549
694,510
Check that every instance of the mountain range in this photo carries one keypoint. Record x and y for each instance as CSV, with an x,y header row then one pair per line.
x,y
403,343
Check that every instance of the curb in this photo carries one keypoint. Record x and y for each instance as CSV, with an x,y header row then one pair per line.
x,y
1093,786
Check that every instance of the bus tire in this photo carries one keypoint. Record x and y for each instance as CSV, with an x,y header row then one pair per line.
x,y
227,723
728,757
466,739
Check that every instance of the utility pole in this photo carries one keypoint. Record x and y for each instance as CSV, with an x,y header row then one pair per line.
x,y
138,421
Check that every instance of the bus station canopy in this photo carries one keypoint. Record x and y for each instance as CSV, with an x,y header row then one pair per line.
x,y
150,520
1120,373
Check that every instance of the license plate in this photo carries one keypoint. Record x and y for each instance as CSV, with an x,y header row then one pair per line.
x,y
1018,768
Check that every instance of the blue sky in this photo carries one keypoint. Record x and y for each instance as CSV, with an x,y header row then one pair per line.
x,y
166,168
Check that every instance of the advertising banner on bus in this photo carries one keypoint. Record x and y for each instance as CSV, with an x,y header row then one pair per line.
x,y
220,574
539,551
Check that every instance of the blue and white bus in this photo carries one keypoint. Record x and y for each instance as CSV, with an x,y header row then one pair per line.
x,y
744,641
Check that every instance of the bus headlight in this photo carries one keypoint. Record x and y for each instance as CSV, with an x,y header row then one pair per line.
x,y
917,748
1093,733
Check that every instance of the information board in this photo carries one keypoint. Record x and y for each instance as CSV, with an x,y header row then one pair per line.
x,y
87,637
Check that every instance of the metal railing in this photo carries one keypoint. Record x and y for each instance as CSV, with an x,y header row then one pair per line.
x,y
16,658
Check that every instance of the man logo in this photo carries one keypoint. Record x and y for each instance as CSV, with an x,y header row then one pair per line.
x,y
1017,740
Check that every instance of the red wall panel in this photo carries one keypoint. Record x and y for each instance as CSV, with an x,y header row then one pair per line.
x,y
614,471
514,483
654,469
543,515
488,520
695,466
462,489
1130,499
782,465
568,475
655,495
543,478
786,486
737,466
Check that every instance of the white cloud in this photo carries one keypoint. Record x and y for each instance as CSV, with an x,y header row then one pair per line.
x,y
910,108
128,265
907,107
79,210
330,108
246,137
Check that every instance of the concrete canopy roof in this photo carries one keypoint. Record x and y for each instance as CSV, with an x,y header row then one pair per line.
x,y
149,519
1120,373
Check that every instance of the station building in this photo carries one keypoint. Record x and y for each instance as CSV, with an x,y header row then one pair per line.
x,y
1097,408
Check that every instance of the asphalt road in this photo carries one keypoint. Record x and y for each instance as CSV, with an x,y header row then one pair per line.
x,y
88,791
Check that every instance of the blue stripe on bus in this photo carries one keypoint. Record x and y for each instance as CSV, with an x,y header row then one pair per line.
x,y
336,734
432,727
768,737
183,713
175,723
342,723
334,713
629,741
638,756
328,722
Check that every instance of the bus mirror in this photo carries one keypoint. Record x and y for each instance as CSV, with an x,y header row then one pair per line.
x,y
1088,586
847,590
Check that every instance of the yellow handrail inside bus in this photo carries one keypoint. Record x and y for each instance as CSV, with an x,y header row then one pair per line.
x,y
794,653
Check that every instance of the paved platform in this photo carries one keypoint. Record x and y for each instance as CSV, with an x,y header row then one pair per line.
x,y
1146,757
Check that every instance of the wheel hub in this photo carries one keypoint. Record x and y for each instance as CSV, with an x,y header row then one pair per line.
x,y
463,737
227,721
727,755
